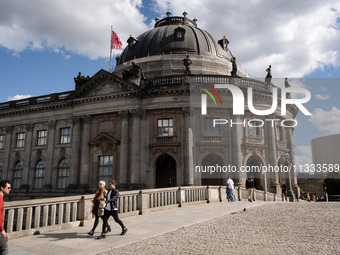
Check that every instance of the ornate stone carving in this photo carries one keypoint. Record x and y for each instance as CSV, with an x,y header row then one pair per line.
x,y
17,155
76,120
39,153
187,62
124,114
52,124
80,80
134,72
62,152
9,129
186,111
106,142
29,126
137,113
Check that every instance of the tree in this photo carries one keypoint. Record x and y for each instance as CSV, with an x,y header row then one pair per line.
x,y
332,182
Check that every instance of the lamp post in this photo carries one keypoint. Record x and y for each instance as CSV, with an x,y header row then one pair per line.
x,y
290,192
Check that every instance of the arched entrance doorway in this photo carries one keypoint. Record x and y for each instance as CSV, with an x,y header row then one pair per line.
x,y
165,171
212,160
254,163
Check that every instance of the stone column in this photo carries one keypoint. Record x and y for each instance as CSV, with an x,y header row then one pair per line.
x,y
124,148
187,147
144,152
27,156
293,176
75,153
272,156
135,147
85,152
236,149
6,162
50,154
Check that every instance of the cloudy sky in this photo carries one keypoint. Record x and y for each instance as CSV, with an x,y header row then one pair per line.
x,y
44,44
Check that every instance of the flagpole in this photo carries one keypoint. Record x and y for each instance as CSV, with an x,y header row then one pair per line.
x,y
111,51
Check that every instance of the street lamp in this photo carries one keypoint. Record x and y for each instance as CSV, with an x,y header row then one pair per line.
x,y
290,192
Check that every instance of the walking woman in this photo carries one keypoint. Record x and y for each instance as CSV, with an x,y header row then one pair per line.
x,y
98,207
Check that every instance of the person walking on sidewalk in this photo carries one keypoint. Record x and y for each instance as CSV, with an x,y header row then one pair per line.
x,y
5,187
284,191
231,189
250,188
111,209
98,207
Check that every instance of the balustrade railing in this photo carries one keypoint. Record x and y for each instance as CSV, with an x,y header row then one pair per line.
x,y
27,217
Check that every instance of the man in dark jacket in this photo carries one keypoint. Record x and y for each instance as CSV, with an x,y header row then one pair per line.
x,y
111,209
250,188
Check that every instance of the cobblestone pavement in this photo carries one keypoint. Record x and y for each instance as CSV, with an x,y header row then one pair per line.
x,y
280,228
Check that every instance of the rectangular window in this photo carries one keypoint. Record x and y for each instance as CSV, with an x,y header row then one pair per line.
x,y
279,133
105,168
253,130
209,129
42,137
165,127
65,135
2,142
20,140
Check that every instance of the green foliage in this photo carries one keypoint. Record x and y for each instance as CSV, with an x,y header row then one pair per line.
x,y
332,182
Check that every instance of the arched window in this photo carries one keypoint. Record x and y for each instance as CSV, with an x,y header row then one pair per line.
x,y
39,175
17,175
105,168
63,173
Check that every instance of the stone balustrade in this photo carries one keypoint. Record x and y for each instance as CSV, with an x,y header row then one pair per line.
x,y
28,217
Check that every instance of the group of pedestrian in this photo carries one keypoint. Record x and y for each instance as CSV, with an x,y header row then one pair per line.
x,y
105,204
231,189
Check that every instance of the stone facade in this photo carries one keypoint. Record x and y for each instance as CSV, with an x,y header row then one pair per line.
x,y
143,131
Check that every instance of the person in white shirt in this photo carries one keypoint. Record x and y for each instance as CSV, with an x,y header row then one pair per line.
x,y
231,189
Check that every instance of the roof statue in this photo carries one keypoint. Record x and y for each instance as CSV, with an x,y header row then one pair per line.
x,y
134,72
80,80
234,65
269,74
187,62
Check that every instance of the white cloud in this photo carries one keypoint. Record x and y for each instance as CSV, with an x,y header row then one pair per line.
x,y
322,97
303,155
326,121
295,37
78,26
18,97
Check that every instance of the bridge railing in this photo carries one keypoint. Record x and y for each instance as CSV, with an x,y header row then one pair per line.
x,y
28,217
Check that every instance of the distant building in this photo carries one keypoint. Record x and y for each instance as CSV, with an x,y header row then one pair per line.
x,y
139,125
311,185
325,150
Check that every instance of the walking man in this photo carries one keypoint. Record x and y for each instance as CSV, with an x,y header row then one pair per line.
x,y
231,190
250,188
5,187
111,209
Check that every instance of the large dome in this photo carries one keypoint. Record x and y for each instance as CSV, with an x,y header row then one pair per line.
x,y
161,50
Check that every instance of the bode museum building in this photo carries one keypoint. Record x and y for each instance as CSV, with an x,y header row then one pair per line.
x,y
155,121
